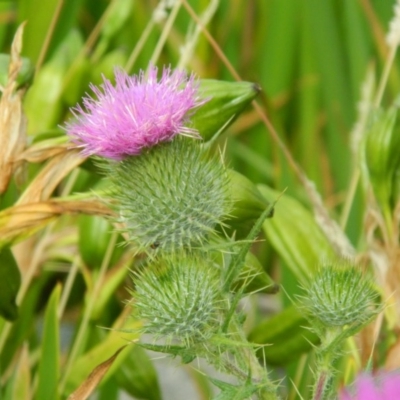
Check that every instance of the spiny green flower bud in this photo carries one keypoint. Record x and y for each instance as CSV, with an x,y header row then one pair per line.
x,y
172,196
179,298
226,101
341,295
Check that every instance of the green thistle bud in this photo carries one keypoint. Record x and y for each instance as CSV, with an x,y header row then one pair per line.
x,y
227,101
172,196
341,295
179,298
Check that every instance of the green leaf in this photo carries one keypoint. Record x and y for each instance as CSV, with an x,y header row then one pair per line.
x,y
187,354
227,100
10,281
253,277
296,236
43,102
382,157
112,281
117,15
137,376
39,16
238,260
94,235
233,392
88,361
286,335
22,377
49,365
25,74
23,328
109,391
248,205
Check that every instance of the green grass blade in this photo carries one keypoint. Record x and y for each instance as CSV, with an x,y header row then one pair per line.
x,y
49,365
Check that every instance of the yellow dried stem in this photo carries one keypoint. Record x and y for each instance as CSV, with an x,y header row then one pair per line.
x,y
42,187
45,149
19,222
12,119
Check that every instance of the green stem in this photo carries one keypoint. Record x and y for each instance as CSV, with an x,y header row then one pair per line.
x,y
250,365
325,371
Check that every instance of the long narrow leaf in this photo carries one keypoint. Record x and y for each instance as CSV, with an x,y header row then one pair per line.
x,y
50,351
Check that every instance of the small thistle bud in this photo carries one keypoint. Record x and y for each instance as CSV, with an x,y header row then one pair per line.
x,y
178,298
170,197
341,295
226,100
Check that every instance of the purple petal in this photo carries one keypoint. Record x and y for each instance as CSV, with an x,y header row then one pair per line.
x,y
138,112
391,386
366,388
384,387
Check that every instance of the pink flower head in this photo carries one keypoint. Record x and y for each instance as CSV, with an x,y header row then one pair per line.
x,y
138,112
385,386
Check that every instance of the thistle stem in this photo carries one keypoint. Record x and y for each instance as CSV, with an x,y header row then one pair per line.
x,y
325,372
248,360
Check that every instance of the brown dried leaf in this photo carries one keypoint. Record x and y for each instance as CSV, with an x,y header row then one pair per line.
x,y
91,382
21,221
12,119
44,150
42,187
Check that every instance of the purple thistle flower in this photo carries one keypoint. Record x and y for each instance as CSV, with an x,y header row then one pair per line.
x,y
138,112
385,386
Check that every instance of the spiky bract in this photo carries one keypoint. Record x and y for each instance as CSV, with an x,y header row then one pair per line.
x,y
171,197
179,299
340,295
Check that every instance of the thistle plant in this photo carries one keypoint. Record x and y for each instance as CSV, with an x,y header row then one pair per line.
x,y
172,221
170,194
339,302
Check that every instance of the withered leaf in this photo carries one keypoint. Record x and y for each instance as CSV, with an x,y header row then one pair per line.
x,y
91,382
12,119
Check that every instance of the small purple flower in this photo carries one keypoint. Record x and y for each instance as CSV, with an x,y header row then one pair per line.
x,y
385,386
138,112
